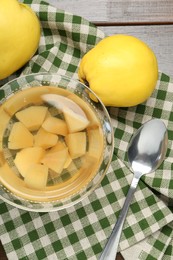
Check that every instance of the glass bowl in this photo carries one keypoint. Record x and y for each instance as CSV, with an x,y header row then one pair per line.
x,y
34,175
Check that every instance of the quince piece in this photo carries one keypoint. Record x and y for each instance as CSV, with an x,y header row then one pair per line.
x,y
75,122
68,161
5,118
32,117
55,125
26,157
36,176
89,111
61,103
20,137
45,139
76,143
74,115
19,37
95,141
55,160
23,98
58,147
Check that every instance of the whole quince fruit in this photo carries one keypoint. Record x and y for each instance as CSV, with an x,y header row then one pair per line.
x,y
19,36
121,69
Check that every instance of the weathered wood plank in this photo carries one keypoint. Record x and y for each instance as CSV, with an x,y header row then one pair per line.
x,y
116,11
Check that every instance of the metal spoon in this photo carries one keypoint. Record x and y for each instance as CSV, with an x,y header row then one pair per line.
x,y
146,152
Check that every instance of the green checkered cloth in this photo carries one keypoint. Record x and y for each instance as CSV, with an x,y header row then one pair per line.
x,y
81,231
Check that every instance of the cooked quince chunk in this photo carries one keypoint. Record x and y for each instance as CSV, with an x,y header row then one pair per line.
x,y
60,146
76,143
75,122
45,139
23,98
26,157
89,111
32,117
95,140
4,120
20,137
36,176
61,102
55,160
75,117
55,125
68,161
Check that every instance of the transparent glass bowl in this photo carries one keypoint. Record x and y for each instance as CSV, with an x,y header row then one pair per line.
x,y
62,195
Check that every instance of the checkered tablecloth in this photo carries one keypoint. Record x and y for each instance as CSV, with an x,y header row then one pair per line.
x,y
80,232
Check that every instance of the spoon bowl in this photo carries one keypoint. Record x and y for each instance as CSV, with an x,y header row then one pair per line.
x,y
146,151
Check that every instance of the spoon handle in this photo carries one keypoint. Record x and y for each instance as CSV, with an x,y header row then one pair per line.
x,y
110,250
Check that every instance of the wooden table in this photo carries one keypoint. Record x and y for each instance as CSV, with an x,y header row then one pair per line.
x,y
149,20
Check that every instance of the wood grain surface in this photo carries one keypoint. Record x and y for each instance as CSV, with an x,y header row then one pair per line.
x,y
116,11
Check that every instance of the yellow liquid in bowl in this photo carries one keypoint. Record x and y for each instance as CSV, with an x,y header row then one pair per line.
x,y
76,173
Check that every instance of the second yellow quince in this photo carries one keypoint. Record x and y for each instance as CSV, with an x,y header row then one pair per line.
x,y
121,69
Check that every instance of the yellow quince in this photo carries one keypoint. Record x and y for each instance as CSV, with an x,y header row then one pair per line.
x,y
19,36
121,69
